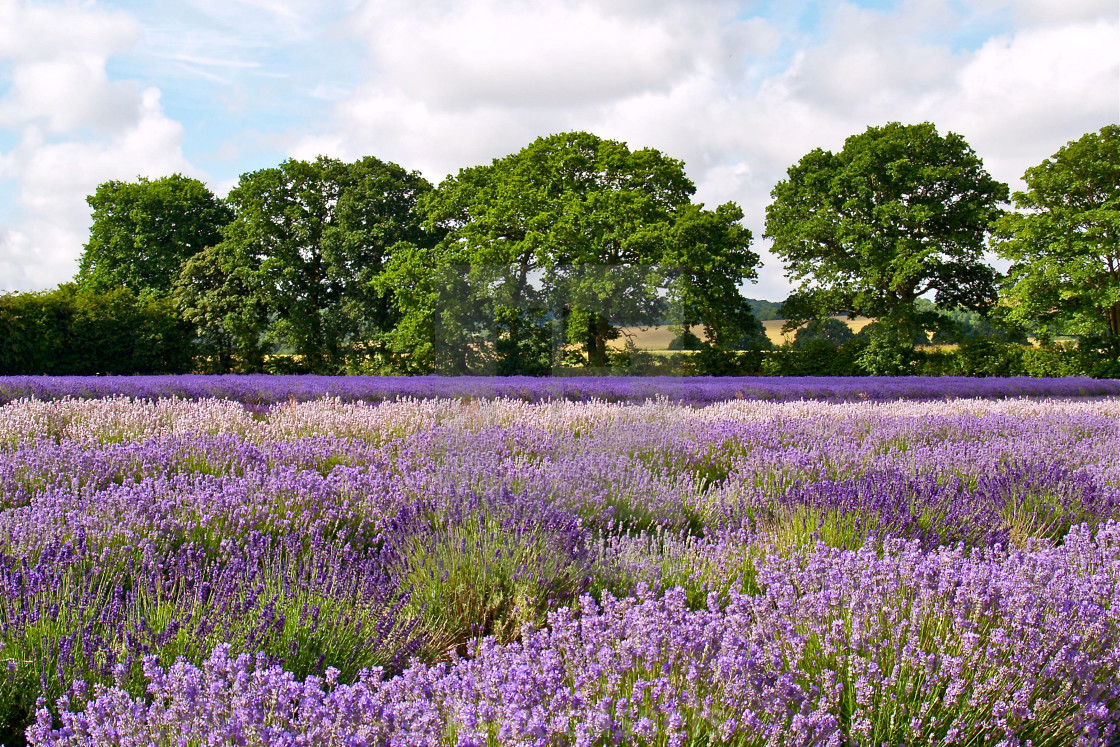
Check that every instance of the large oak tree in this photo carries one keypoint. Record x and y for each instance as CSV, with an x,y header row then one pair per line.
x,y
1065,241
899,212
307,243
584,231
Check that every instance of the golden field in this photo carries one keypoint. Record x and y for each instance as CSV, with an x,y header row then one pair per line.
x,y
658,337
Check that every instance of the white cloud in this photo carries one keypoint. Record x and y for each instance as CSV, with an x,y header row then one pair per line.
x,y
55,177
447,84
76,129
1019,98
57,58
51,173
16,260
67,94
41,33
522,55
871,62
453,84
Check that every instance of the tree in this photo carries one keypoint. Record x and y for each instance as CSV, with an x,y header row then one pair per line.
x,y
1065,242
144,231
424,290
217,292
708,257
578,231
899,212
307,243
486,309
962,325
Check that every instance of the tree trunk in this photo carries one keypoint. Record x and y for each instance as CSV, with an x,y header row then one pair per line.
x,y
598,352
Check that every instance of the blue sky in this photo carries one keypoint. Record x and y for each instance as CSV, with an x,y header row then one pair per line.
x,y
102,89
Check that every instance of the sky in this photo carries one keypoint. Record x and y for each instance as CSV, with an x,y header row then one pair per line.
x,y
99,90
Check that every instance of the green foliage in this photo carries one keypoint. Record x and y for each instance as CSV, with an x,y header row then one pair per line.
x,y
567,238
795,527
708,256
474,570
1052,360
816,358
71,331
765,311
828,329
1100,356
899,212
961,324
645,363
686,340
890,345
530,264
569,207
713,360
409,273
1064,242
1095,357
989,357
217,293
361,268
144,231
308,243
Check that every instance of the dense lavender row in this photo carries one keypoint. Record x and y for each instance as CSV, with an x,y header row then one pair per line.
x,y
506,572
262,390
843,647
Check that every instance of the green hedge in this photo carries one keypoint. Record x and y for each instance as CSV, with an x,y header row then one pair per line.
x,y
1096,357
72,332
69,331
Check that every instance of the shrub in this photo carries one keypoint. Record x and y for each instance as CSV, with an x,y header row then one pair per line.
x,y
68,331
1100,356
828,329
989,357
817,358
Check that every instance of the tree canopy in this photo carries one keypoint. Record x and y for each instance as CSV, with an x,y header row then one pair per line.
x,y
144,231
831,330
1065,242
533,263
308,240
580,232
899,212
707,258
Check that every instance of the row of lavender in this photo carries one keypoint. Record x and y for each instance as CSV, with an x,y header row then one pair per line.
x,y
262,390
442,571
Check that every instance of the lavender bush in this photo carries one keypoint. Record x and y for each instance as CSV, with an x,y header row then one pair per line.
x,y
907,647
690,568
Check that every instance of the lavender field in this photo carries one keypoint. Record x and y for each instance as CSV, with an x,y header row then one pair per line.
x,y
260,390
606,565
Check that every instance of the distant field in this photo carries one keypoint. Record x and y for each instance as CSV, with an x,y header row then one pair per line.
x,y
658,337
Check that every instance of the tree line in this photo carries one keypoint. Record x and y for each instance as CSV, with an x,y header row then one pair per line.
x,y
532,263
